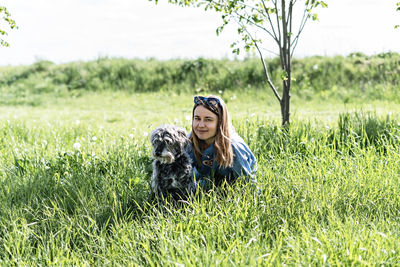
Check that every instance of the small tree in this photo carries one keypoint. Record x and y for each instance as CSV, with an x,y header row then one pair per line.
x,y
258,20
7,18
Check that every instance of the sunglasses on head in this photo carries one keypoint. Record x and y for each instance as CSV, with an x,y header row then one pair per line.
x,y
210,101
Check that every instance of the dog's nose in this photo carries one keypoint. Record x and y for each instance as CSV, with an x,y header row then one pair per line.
x,y
158,153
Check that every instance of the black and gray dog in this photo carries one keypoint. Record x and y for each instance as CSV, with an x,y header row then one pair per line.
x,y
172,168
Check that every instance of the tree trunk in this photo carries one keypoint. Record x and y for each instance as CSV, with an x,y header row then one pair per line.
x,y
285,104
286,62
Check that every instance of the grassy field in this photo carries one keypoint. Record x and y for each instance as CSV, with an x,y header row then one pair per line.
x,y
75,171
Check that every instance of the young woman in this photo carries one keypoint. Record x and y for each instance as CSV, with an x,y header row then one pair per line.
x,y
218,153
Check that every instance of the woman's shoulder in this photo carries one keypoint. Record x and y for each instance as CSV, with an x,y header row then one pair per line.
x,y
237,141
245,162
239,146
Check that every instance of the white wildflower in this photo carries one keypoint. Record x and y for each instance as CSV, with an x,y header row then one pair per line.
x,y
188,117
145,134
77,146
94,138
324,257
315,67
131,136
77,122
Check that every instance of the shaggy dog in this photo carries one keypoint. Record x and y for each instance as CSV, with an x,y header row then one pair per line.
x,y
172,168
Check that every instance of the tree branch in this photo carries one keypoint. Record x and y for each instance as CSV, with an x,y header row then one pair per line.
x,y
264,66
277,22
256,25
270,21
267,75
281,52
290,19
301,28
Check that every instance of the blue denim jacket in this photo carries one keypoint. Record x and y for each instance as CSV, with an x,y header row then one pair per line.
x,y
244,164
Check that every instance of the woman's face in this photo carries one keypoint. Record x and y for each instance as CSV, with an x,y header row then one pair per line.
x,y
205,124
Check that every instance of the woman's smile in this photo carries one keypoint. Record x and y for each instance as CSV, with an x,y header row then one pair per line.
x,y
205,124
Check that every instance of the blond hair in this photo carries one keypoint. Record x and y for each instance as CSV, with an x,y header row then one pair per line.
x,y
222,145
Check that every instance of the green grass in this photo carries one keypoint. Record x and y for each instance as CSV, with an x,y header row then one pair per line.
x,y
329,186
75,165
356,78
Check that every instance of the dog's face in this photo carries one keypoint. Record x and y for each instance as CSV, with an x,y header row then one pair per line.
x,y
168,141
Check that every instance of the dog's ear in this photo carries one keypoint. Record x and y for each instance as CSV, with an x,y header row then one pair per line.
x,y
153,134
183,136
182,133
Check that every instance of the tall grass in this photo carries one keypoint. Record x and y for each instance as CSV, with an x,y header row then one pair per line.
x,y
356,77
75,165
329,196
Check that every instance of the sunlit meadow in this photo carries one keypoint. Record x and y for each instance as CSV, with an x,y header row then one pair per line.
x,y
75,167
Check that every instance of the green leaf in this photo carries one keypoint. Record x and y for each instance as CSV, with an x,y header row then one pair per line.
x,y
236,51
271,10
4,43
323,4
284,75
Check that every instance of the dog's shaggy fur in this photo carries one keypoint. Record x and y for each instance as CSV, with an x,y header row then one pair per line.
x,y
172,168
